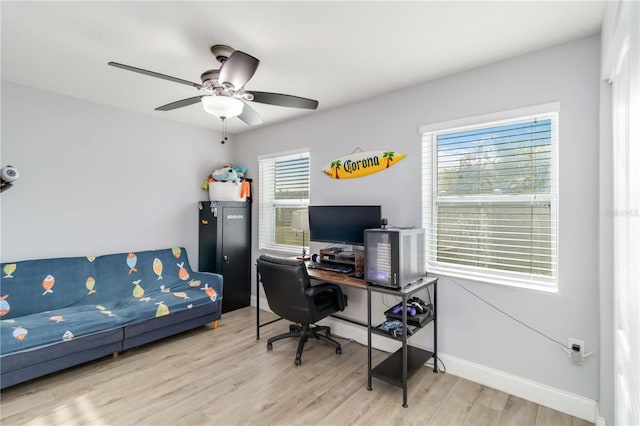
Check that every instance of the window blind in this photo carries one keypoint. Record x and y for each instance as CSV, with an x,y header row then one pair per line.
x,y
490,201
284,188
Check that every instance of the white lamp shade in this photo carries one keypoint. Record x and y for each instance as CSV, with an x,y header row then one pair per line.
x,y
222,106
300,220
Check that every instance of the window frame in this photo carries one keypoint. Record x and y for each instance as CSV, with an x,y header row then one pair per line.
x,y
267,205
430,198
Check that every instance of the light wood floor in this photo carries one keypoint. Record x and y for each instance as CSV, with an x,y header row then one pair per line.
x,y
227,377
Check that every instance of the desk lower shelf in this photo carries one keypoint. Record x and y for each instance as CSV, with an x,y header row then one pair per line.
x,y
390,370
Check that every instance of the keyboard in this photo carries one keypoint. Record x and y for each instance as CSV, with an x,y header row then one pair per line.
x,y
342,269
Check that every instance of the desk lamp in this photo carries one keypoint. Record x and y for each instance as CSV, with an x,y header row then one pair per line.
x,y
300,223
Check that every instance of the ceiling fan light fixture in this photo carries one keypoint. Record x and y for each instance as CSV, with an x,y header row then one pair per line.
x,y
222,106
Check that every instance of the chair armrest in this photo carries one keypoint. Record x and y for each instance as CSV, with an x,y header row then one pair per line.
x,y
334,289
315,290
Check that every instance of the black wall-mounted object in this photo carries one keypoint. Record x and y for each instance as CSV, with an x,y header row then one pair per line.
x,y
225,248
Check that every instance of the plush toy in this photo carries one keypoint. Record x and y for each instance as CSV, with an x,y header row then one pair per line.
x,y
241,171
226,174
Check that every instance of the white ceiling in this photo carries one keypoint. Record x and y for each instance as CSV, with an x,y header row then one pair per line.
x,y
335,52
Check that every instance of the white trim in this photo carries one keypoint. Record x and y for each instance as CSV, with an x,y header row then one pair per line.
x,y
620,65
557,399
600,421
284,153
267,204
504,199
509,279
491,117
430,199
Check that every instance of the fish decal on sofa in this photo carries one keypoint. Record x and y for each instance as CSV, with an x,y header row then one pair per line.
x,y
177,252
4,305
20,332
181,294
132,259
9,269
182,272
138,291
211,292
90,284
157,267
104,310
162,309
48,283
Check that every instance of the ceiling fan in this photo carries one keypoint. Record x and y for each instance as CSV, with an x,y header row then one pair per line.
x,y
222,90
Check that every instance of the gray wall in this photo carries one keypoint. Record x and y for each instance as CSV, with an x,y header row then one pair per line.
x,y
98,180
468,328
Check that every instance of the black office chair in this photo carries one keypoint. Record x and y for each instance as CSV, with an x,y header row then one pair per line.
x,y
291,296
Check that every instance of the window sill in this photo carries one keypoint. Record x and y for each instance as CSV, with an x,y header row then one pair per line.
x,y
280,252
501,281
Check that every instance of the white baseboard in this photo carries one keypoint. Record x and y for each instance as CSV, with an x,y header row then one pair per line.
x,y
560,400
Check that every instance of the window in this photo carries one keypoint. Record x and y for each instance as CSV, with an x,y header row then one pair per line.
x,y
490,197
284,188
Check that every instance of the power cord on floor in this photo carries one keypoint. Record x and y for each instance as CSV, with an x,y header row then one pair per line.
x,y
438,369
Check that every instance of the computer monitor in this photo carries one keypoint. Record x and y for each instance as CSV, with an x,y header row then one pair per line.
x,y
342,224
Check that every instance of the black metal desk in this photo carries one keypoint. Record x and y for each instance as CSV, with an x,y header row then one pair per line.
x,y
398,367
401,365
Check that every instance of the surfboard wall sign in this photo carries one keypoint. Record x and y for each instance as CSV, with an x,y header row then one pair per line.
x,y
361,164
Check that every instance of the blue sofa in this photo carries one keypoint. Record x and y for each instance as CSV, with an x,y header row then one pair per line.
x,y
56,313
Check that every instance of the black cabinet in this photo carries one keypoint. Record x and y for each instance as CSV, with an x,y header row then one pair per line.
x,y
225,248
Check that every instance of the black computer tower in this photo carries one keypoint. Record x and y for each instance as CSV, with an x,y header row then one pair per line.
x,y
225,248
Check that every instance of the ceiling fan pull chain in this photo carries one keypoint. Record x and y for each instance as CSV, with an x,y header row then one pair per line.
x,y
224,130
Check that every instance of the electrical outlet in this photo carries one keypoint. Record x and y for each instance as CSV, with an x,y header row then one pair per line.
x,y
576,350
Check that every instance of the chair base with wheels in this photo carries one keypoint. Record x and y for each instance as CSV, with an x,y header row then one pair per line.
x,y
292,297
304,332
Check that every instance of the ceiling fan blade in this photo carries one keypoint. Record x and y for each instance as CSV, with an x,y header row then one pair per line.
x,y
179,104
284,100
155,74
238,69
250,116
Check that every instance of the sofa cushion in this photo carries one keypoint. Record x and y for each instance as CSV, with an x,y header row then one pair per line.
x,y
180,296
57,326
33,286
110,341
136,274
